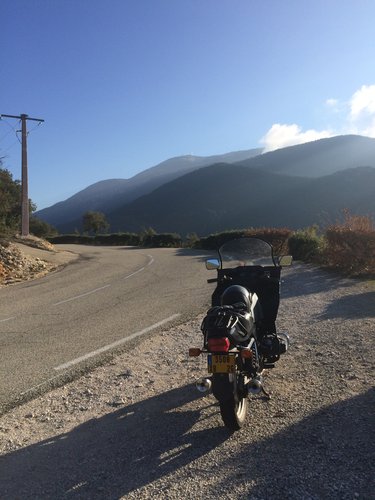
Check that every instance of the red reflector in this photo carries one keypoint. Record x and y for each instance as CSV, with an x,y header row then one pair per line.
x,y
220,344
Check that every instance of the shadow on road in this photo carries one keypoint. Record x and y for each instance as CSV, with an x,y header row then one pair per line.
x,y
361,305
303,279
201,255
110,456
328,455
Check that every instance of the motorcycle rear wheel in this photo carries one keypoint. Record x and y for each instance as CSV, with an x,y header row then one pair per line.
x,y
233,412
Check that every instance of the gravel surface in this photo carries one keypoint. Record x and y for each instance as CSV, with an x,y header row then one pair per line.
x,y
137,428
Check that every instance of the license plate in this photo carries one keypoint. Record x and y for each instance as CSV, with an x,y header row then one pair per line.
x,y
221,363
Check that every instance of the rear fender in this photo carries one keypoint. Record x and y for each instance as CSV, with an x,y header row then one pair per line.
x,y
223,386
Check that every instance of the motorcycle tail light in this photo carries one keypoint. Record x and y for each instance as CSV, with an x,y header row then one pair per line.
x,y
218,344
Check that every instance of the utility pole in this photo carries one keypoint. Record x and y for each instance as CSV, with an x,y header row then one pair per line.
x,y
25,218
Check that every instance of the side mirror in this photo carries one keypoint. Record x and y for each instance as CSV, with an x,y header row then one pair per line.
x,y
285,260
212,264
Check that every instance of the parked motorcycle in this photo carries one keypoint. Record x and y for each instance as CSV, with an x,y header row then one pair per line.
x,y
239,330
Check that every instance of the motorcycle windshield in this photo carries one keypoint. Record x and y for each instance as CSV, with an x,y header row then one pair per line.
x,y
246,252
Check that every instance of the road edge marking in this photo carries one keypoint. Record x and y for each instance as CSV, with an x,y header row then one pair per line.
x,y
108,347
82,295
7,319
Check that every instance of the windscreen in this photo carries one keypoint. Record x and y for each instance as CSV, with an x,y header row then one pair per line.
x,y
246,252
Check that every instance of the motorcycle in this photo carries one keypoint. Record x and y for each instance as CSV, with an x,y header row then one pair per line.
x,y
239,330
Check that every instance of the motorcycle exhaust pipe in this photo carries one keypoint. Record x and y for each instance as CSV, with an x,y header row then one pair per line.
x,y
203,384
284,341
255,386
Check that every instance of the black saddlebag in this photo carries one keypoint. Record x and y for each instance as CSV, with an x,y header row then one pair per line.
x,y
227,321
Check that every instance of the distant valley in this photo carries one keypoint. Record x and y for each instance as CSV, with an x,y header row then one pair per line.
x,y
291,187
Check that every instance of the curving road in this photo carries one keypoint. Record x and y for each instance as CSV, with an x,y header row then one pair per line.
x,y
56,327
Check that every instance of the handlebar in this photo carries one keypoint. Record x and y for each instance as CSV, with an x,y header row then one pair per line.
x,y
233,274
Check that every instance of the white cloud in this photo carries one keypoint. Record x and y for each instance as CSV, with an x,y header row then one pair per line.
x,y
361,118
363,102
282,135
357,114
332,103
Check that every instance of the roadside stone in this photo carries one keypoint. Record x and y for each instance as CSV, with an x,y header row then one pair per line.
x,y
16,267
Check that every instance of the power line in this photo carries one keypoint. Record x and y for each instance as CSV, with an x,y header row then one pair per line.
x,y
5,135
11,146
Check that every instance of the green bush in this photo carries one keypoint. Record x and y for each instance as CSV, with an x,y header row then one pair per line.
x,y
120,239
41,228
71,239
169,240
306,245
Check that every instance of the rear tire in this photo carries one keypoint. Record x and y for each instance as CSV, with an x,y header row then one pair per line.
x,y
233,412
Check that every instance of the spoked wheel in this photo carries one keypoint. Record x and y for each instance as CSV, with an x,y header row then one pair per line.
x,y
233,412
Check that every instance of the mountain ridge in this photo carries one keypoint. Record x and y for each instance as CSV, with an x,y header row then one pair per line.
x,y
203,201
272,186
108,194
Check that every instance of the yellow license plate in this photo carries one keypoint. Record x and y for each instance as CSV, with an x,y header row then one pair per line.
x,y
221,363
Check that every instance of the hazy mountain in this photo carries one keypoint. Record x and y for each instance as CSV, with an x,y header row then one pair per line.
x,y
294,186
317,158
107,195
224,196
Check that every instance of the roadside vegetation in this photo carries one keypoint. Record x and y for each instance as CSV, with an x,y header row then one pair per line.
x,y
10,210
347,246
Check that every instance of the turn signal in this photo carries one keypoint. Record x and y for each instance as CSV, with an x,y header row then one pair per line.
x,y
246,353
194,351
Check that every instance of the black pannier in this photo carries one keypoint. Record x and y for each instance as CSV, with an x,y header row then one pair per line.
x,y
228,321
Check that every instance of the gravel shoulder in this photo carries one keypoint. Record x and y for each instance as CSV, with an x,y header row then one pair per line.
x,y
137,428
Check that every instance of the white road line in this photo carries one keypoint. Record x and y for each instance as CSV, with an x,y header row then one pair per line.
x,y
132,274
142,268
82,295
115,344
7,319
102,287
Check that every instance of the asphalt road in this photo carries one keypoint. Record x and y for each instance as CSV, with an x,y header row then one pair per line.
x,y
56,327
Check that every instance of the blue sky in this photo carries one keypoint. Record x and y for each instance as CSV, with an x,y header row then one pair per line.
x,y
125,84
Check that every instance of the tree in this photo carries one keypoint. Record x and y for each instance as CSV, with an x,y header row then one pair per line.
x,y
94,221
10,203
41,228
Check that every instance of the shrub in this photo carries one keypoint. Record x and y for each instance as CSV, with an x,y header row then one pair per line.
x,y
41,228
306,245
351,245
119,239
71,239
170,240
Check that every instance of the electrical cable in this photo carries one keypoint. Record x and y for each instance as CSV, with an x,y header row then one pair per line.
x,y
6,135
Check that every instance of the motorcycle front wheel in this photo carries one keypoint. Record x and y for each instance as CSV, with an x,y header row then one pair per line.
x,y
233,412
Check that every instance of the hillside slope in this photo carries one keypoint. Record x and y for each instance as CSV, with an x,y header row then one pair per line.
x,y
223,197
105,196
318,158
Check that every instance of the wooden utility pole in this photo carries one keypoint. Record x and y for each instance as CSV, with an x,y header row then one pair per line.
x,y
25,218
